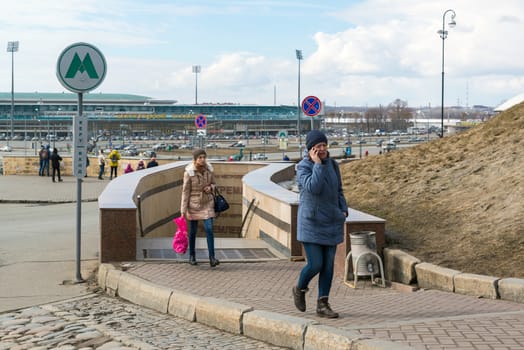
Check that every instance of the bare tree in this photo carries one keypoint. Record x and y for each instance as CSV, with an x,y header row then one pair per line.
x,y
399,114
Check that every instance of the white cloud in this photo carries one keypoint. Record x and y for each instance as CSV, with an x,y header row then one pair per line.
x,y
368,52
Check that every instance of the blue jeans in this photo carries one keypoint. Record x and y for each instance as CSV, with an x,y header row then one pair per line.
x,y
320,260
42,168
101,172
208,227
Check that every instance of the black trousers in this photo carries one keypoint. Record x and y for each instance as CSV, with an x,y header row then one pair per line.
x,y
57,170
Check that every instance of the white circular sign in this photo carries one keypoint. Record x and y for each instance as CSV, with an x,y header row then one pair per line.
x,y
81,67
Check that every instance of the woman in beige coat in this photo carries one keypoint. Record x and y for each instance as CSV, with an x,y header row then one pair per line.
x,y
198,203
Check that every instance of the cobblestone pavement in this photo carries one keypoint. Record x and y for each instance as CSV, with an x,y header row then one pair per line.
x,y
102,322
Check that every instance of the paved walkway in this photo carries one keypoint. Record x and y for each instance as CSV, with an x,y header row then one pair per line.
x,y
427,319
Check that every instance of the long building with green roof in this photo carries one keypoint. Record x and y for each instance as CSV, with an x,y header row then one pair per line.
x,y
141,115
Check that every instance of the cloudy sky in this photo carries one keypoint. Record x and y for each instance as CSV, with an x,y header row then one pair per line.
x,y
356,52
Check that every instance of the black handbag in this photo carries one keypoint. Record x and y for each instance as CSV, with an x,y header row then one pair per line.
x,y
221,203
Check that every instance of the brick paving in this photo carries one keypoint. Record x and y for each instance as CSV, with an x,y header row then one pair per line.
x,y
426,319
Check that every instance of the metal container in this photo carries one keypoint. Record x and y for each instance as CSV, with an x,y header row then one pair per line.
x,y
363,243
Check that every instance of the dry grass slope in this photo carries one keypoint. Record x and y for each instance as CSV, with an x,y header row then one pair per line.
x,y
457,202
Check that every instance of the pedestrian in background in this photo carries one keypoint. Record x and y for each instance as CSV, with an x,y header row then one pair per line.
x,y
42,155
114,157
46,162
128,169
152,163
198,203
55,162
87,164
322,211
101,164
140,165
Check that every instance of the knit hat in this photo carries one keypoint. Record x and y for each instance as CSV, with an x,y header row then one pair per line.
x,y
314,137
198,152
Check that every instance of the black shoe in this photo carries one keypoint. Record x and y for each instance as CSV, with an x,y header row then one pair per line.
x,y
324,309
100,178
299,297
60,180
192,260
213,262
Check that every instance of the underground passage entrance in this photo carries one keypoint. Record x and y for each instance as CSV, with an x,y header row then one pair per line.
x,y
226,250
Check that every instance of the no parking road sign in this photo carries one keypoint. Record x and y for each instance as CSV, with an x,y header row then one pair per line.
x,y
311,106
200,121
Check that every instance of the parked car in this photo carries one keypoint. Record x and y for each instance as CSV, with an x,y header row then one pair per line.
x,y
260,156
389,146
130,152
6,148
159,147
237,144
149,154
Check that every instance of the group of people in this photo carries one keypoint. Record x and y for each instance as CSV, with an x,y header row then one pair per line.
x,y
141,165
114,158
322,212
47,158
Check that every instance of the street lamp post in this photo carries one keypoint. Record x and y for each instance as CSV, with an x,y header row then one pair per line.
x,y
443,35
12,46
299,58
196,70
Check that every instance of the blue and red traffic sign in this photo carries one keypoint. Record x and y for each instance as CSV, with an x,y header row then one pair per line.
x,y
200,121
311,106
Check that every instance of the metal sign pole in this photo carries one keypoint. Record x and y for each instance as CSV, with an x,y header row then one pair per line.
x,y
80,68
78,278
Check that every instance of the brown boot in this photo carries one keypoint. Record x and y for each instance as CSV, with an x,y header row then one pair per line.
x,y
299,296
324,309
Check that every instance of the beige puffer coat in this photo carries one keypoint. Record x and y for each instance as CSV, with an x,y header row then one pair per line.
x,y
195,203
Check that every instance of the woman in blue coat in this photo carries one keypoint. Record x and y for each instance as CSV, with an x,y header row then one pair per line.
x,y
322,212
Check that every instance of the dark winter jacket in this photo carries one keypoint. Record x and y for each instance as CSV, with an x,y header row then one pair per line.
x,y
55,160
322,207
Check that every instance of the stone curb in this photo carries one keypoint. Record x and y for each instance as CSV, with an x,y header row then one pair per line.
x,y
476,285
403,268
512,289
145,293
183,305
44,201
320,337
277,329
431,276
221,314
399,266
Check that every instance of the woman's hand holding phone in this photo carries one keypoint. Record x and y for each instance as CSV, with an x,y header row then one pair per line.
x,y
313,154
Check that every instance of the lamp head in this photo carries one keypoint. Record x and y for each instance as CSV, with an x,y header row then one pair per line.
x,y
452,23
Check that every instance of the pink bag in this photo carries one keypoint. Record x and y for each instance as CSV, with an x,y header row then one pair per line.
x,y
180,237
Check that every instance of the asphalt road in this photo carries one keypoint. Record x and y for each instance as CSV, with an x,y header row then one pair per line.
x,y
37,252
